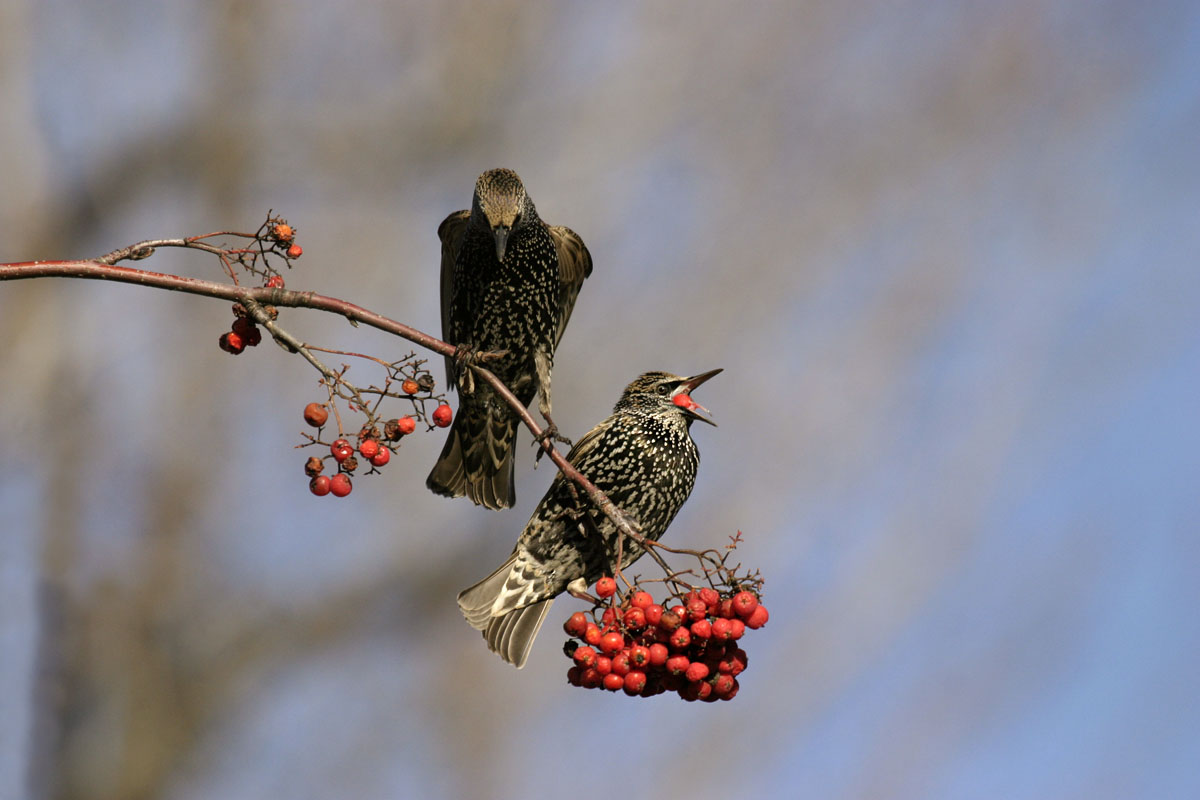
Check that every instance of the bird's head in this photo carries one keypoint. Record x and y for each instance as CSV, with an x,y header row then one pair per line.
x,y
662,391
502,206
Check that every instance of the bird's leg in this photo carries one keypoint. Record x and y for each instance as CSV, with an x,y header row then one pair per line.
x,y
542,363
465,355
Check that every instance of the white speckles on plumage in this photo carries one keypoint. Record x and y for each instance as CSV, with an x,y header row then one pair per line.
x,y
644,459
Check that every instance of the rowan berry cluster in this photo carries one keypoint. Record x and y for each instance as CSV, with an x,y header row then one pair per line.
x,y
645,648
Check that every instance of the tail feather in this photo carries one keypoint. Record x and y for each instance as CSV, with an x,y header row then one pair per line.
x,y
509,606
478,459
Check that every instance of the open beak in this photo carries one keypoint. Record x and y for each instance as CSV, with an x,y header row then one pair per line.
x,y
500,233
685,391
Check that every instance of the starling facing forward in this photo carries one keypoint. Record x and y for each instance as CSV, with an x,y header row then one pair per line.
x,y
644,459
509,282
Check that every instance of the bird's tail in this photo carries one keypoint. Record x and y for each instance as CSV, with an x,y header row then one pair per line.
x,y
509,608
477,459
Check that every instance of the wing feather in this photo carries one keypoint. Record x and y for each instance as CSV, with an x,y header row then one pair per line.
x,y
451,233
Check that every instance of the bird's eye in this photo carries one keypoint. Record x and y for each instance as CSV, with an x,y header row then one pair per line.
x,y
664,388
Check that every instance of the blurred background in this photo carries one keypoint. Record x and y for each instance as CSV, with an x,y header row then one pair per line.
x,y
945,251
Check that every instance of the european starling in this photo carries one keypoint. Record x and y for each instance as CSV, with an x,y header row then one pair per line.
x,y
644,459
509,283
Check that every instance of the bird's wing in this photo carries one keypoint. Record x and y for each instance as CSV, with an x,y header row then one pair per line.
x,y
578,457
451,233
574,265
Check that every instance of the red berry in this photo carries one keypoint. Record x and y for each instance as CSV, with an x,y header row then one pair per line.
x,y
382,457
635,682
635,619
658,654
603,665
696,671
757,618
697,609
230,342
744,604
585,656
654,613
576,624
242,327
590,678
639,656
369,448
723,684
725,608
341,450
681,638
733,663
732,693
722,629
680,611
295,251
575,676
678,665
621,663
642,600
701,629
606,587
275,282
315,414
410,386
611,642
592,634
710,596
253,336
406,425
442,415
608,620
319,485
613,681
736,628
340,485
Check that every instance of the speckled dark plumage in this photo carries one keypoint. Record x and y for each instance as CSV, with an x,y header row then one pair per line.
x,y
644,459
509,282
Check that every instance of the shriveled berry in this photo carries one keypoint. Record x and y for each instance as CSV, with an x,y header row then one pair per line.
x,y
696,671
242,326
295,251
606,587
368,448
641,599
382,457
744,603
316,415
319,485
314,466
576,624
253,336
611,642
710,596
654,613
442,415
340,485
614,682
409,386
758,617
635,682
282,232
275,282
668,621
350,464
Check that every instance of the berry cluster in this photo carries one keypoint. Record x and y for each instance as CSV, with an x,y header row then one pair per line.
x,y
242,334
645,648
374,446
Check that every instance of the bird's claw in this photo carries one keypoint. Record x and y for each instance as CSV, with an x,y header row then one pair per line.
x,y
549,435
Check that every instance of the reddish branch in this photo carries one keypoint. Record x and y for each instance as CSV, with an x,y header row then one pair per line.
x,y
254,298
